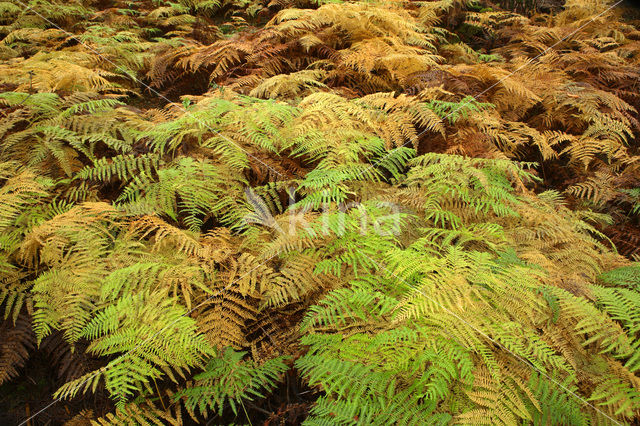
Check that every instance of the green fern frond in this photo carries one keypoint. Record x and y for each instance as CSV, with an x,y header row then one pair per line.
x,y
227,380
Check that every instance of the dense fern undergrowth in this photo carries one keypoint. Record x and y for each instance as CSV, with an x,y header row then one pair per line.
x,y
319,212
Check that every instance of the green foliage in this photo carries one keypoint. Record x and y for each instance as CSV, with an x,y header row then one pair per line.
x,y
188,188
555,404
152,333
454,111
625,276
228,379
200,198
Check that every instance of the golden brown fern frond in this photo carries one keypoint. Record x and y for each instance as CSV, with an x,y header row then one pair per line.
x,y
83,418
93,218
60,71
288,85
164,236
381,40
149,411
397,120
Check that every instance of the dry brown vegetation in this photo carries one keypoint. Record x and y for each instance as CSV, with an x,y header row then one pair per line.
x,y
383,212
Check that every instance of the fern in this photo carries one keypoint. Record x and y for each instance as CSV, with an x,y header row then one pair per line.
x,y
170,339
227,379
454,111
191,188
627,276
425,214
122,167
